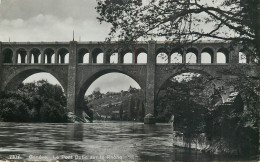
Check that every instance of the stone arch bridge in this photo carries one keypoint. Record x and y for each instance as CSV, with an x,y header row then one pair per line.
x,y
77,64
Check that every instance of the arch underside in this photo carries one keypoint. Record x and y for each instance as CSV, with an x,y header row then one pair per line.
x,y
163,73
13,76
88,74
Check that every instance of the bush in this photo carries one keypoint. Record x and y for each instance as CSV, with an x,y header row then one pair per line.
x,y
230,126
34,102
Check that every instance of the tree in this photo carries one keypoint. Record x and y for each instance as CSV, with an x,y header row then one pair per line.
x,y
34,102
183,21
188,101
96,93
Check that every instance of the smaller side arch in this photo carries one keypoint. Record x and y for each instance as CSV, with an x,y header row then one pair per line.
x,y
244,57
207,55
141,56
192,55
162,56
48,55
222,55
34,55
21,55
176,56
96,54
7,55
83,55
16,79
63,55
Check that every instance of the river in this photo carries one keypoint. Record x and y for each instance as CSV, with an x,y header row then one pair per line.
x,y
95,141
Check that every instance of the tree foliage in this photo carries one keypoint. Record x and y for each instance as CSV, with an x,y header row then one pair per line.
x,y
194,102
183,21
188,100
34,102
96,93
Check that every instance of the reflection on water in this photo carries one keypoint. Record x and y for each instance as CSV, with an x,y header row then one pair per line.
x,y
99,141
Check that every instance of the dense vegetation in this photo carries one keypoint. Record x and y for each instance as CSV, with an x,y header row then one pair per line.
x,y
195,104
34,102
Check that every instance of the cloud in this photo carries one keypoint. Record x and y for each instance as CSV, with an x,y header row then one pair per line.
x,y
25,9
48,20
51,28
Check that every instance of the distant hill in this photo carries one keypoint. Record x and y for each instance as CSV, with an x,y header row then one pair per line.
x,y
124,105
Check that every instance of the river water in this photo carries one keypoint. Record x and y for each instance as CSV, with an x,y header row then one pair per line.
x,y
95,141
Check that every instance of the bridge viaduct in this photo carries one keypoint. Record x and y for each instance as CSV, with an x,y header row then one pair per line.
x,y
83,65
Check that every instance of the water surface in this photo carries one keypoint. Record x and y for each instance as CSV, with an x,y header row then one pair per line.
x,y
98,141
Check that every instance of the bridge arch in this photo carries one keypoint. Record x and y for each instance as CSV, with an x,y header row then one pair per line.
x,y
162,56
126,56
207,55
15,79
222,55
89,80
176,56
8,55
83,55
243,57
192,54
48,55
34,55
141,56
111,56
63,55
21,55
208,75
97,55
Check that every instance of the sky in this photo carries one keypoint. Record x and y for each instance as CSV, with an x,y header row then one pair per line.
x,y
55,20
50,20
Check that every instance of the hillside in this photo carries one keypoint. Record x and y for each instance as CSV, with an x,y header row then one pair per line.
x,y
124,105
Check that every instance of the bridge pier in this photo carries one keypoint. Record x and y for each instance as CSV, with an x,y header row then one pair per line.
x,y
150,85
1,68
72,71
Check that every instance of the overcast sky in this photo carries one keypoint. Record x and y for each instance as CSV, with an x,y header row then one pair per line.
x,y
50,20
55,20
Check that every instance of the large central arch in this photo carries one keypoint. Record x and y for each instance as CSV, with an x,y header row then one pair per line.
x,y
88,81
